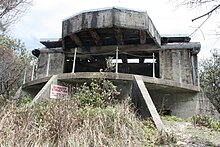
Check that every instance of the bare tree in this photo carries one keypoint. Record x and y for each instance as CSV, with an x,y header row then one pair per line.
x,y
11,72
211,6
11,10
14,59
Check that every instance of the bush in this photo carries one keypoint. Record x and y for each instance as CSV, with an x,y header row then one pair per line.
x,y
99,93
24,100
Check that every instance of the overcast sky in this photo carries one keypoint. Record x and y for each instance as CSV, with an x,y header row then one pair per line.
x,y
44,19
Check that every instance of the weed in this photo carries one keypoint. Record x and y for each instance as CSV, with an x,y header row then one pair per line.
x,y
24,100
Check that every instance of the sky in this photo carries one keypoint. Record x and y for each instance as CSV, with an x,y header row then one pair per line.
x,y
44,20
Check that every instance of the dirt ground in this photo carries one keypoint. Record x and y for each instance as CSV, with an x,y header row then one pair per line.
x,y
189,135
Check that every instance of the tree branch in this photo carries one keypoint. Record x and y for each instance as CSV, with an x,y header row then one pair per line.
x,y
208,13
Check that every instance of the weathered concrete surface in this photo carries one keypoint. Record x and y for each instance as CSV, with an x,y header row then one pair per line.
x,y
176,65
56,62
104,26
179,97
44,93
180,104
147,98
151,83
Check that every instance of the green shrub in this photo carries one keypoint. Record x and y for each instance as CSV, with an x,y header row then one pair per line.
x,y
99,93
24,100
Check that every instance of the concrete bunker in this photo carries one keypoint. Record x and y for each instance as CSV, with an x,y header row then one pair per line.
x,y
167,65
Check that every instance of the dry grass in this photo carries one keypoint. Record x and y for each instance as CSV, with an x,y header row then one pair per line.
x,y
63,123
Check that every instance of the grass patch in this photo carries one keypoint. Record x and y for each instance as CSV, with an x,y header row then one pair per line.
x,y
173,118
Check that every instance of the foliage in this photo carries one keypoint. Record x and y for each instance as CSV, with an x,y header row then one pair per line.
x,y
210,78
10,11
64,123
24,100
204,120
110,66
13,60
16,46
94,94
99,93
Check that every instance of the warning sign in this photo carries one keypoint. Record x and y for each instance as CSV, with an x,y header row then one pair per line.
x,y
57,91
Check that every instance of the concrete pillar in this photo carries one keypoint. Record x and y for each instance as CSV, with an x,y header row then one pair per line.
x,y
151,107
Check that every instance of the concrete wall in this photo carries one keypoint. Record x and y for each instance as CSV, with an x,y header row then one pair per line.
x,y
183,105
124,87
56,64
177,65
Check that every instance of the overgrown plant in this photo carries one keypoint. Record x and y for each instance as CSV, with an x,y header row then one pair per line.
x,y
99,93
207,121
24,100
63,123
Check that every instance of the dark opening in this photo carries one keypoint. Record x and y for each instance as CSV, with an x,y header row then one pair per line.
x,y
141,64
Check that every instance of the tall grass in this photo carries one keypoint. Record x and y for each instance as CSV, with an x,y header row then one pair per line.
x,y
63,123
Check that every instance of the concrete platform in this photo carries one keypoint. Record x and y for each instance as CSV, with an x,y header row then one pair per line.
x,y
150,82
178,98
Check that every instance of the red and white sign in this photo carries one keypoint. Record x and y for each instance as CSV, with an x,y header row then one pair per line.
x,y
57,91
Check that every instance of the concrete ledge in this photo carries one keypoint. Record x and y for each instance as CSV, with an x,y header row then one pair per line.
x,y
37,81
150,82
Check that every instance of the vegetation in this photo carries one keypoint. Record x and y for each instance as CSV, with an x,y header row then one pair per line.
x,y
210,78
14,60
79,122
207,121
11,11
173,118
63,123
99,93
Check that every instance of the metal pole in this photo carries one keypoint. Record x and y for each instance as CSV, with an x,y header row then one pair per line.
x,y
74,61
153,66
48,64
116,66
25,73
32,74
